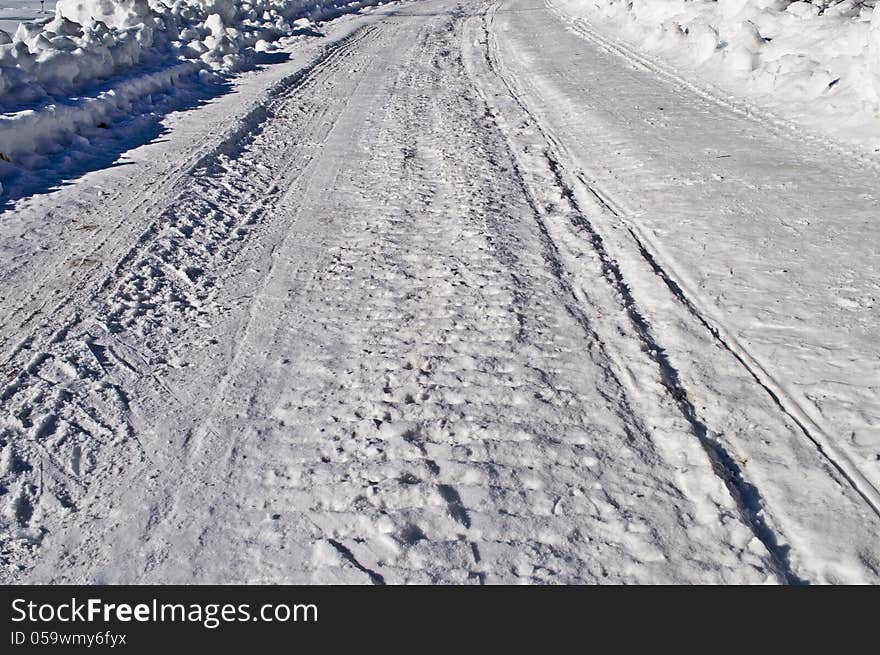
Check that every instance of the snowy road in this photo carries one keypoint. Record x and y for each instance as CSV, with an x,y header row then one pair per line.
x,y
463,292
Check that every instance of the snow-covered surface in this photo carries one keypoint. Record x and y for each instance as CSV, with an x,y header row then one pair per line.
x,y
818,64
731,225
66,78
14,12
453,294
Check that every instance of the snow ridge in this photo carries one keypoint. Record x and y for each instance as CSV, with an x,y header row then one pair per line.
x,y
96,60
815,433
746,496
817,62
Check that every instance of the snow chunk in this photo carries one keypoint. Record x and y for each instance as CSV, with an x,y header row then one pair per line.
x,y
113,13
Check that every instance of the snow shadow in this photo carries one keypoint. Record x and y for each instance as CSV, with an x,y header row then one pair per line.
x,y
104,146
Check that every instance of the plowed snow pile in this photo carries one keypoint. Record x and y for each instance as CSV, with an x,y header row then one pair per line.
x,y
817,63
95,59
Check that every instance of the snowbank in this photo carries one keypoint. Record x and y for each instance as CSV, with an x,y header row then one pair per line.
x,y
817,63
95,58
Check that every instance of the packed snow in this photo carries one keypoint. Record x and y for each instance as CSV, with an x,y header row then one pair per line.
x,y
94,60
68,75
816,63
465,292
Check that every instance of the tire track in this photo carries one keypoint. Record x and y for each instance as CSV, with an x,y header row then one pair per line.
x,y
160,196
745,494
709,94
67,415
408,384
786,403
